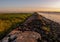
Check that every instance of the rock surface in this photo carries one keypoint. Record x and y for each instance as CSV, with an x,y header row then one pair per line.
x,y
27,36
35,29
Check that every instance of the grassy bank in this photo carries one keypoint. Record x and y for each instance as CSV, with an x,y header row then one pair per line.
x,y
9,21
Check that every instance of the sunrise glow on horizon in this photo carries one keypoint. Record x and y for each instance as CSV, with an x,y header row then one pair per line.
x,y
29,5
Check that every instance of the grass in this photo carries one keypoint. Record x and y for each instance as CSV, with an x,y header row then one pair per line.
x,y
9,21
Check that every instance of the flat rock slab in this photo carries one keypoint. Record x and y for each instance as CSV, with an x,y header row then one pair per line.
x,y
27,36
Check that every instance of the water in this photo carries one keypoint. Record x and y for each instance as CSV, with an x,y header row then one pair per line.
x,y
52,16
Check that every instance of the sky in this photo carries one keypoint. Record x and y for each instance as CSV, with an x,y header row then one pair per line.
x,y
29,5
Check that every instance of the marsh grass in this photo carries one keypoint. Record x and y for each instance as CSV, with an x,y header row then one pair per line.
x,y
9,21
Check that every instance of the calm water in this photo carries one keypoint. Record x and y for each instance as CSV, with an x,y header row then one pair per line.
x,y
52,16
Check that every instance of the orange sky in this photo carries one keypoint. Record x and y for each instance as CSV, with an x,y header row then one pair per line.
x,y
29,9
29,5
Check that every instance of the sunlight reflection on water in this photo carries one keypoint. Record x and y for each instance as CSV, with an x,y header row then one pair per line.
x,y
54,17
